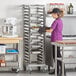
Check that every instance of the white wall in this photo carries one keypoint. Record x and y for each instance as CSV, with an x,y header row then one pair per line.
x,y
12,8
5,5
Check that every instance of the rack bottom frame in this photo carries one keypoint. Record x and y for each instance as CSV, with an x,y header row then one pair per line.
x,y
31,66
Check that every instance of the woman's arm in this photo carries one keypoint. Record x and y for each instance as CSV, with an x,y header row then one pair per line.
x,y
49,30
53,26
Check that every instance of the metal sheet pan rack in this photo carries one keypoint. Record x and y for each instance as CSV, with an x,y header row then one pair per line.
x,y
33,18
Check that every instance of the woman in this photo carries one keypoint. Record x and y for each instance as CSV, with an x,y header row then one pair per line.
x,y
56,33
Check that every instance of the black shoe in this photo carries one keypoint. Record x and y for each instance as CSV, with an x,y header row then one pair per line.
x,y
61,74
52,72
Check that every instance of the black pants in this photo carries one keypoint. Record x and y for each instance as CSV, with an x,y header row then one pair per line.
x,y
59,63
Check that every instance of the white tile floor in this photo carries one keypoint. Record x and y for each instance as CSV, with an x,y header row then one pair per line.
x,y
34,74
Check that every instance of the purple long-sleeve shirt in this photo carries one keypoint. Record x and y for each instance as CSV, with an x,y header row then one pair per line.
x,y
57,27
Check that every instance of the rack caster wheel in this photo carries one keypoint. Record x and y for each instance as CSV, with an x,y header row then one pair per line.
x,y
25,69
44,69
15,70
30,70
39,68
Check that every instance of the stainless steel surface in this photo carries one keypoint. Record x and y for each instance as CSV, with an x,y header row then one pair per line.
x,y
55,60
62,59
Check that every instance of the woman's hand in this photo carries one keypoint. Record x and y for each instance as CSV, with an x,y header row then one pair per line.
x,y
42,30
49,30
